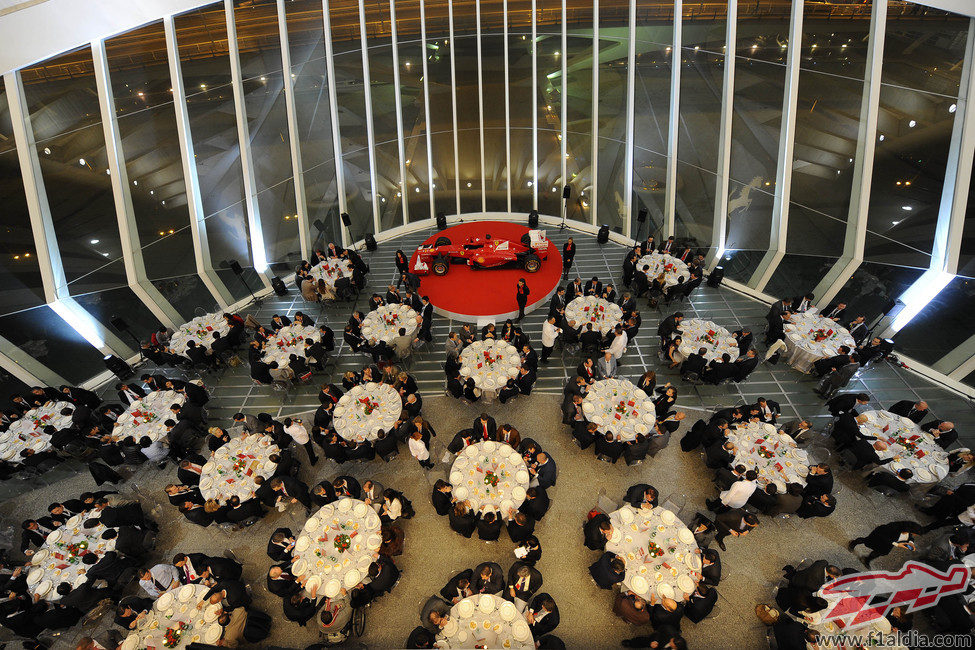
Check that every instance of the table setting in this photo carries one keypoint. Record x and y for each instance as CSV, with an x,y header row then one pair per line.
x,y
287,341
670,266
811,337
829,630
384,323
147,416
774,456
603,315
490,363
365,409
491,475
328,270
336,546
618,406
60,558
698,333
659,551
175,621
28,431
485,621
234,466
913,448
200,330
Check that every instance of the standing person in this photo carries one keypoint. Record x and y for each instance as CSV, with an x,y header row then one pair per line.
x,y
550,333
420,450
299,434
886,537
521,295
402,264
568,254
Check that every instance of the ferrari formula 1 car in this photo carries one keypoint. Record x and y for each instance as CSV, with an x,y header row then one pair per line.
x,y
483,253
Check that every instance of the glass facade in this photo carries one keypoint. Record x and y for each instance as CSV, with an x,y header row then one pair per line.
x,y
466,106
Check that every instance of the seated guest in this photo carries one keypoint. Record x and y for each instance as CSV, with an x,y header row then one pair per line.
x,y
821,505
942,431
631,608
694,364
881,478
718,371
609,447
489,526
462,519
701,603
914,411
608,570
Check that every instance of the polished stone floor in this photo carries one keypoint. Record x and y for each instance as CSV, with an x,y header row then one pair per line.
x,y
433,553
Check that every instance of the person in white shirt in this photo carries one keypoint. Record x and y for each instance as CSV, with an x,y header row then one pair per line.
x,y
550,332
299,434
392,507
618,346
419,450
156,451
159,579
737,495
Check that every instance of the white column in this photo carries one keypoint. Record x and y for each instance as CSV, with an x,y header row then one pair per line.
x,y
673,124
398,96
370,128
565,110
191,178
507,106
856,220
631,88
719,229
426,105
787,144
534,106
333,109
258,251
301,202
594,156
135,268
480,106
453,103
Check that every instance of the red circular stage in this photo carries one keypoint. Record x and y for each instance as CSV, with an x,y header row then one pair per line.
x,y
469,294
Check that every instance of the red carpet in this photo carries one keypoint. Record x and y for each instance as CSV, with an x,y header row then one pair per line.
x,y
468,294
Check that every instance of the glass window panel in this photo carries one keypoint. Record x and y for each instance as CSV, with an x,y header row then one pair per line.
x,y
495,153
649,192
445,193
358,194
187,294
579,123
948,315
60,94
122,303
749,221
42,334
796,275
228,239
694,219
873,285
383,90
818,242
417,181
279,223
343,16
520,104
440,111
966,257
139,69
468,120
832,46
924,48
614,44
549,109
355,141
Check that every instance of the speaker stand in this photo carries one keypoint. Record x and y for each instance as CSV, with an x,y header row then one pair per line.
x,y
562,225
257,301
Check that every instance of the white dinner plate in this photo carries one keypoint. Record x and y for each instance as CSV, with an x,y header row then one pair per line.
x,y
693,561
486,603
450,629
131,642
213,634
35,574
211,613
489,446
299,567
664,590
73,521
685,583
344,504
518,493
639,584
312,523
312,584
460,493
43,588
352,578
332,588
685,536
519,629
507,611
186,593
626,515
465,608
456,477
302,543
923,475
359,510
54,536
164,601
668,517
522,476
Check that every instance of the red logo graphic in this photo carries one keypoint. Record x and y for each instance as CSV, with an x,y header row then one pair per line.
x,y
860,598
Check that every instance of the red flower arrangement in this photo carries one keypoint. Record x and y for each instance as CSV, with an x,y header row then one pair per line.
x,y
173,635
492,479
654,550
765,452
342,543
368,405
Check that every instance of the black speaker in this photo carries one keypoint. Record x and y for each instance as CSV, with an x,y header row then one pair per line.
x,y
533,219
235,267
118,323
346,220
318,223
371,244
641,216
441,221
118,367
278,285
717,275
603,235
566,191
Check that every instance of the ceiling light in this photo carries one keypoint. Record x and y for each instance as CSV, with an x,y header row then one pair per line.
x,y
152,191
952,108
898,182
26,254
697,47
912,124
907,182
81,161
417,189
530,183
47,151
882,137
263,78
141,94
95,241
136,183
108,172
104,254
171,231
906,208
468,183
203,86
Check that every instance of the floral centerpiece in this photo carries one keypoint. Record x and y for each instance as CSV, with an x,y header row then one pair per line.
x,y
492,479
391,318
287,341
489,359
145,416
40,421
669,266
821,334
909,444
172,637
710,337
765,452
342,543
625,408
74,551
654,550
368,405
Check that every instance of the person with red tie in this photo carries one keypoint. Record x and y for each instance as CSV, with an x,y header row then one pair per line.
x,y
521,296
568,254
485,427
686,255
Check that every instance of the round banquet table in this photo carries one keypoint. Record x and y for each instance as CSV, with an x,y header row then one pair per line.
x,y
365,409
801,344
146,416
670,266
200,329
490,363
485,621
287,341
27,432
233,467
384,323
603,314
697,334
827,628
469,476
916,449
618,406
674,570
60,558
328,270
316,556
168,612
775,456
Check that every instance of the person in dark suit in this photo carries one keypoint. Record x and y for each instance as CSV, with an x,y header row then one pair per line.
x,y
710,566
596,531
885,537
846,403
458,587
817,505
111,567
719,370
520,527
733,522
608,570
669,326
488,578
880,479
523,581
858,329
489,527
943,432
695,363
765,500
814,576
701,602
568,254
609,447
542,615
913,411
485,427
823,367
536,503
544,470
281,582
819,480
745,365
593,287
281,545
834,311
719,455
462,519
347,486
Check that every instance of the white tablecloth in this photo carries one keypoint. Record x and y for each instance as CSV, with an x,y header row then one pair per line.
x,y
801,344
670,266
699,333
328,270
287,341
383,324
231,470
60,558
828,628
674,572
775,456
490,363
603,315
470,472
916,449
365,409
348,522
172,608
485,621
200,329
145,417
618,406
27,431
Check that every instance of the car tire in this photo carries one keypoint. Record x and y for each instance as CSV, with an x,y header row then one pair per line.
x,y
440,266
442,241
532,264
526,240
